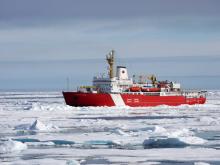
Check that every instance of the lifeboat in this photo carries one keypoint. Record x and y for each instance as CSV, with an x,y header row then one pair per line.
x,y
144,89
135,89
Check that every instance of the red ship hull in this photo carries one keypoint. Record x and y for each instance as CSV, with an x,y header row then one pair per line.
x,y
133,100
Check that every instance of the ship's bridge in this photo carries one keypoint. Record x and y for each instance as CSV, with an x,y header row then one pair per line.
x,y
114,85
111,85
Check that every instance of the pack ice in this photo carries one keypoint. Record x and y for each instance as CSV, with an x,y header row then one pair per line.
x,y
38,128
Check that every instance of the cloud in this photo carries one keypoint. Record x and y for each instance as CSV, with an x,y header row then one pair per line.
x,y
54,29
30,11
83,39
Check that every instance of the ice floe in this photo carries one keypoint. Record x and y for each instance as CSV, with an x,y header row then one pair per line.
x,y
163,138
72,162
38,126
209,120
201,163
159,130
12,146
121,132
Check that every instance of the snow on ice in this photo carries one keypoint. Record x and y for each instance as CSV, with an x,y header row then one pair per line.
x,y
38,128
11,146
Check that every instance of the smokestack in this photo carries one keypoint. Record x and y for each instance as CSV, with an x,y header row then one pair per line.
x,y
122,73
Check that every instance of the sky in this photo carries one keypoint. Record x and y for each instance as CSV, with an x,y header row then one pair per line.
x,y
45,41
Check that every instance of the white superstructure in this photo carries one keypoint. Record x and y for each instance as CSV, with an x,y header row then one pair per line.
x,y
116,84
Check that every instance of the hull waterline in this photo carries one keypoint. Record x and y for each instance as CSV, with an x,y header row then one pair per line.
x,y
132,100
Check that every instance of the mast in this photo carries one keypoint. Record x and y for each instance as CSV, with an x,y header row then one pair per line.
x,y
110,59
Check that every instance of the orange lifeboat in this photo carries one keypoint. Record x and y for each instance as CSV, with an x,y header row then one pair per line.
x,y
135,89
144,89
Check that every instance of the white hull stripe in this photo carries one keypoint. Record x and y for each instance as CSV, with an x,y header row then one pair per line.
x,y
117,99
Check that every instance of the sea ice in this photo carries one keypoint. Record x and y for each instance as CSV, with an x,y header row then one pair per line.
x,y
121,132
56,133
41,127
208,120
41,144
159,130
12,146
72,162
38,125
163,143
201,163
